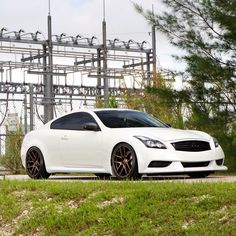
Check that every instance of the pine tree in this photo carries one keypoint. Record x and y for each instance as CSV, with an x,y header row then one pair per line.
x,y
205,30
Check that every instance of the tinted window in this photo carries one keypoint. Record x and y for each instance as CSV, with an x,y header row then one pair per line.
x,y
127,119
74,121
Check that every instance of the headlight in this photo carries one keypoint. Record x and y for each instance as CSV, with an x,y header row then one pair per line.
x,y
216,142
151,143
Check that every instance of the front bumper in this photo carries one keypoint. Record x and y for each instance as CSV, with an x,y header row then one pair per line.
x,y
180,162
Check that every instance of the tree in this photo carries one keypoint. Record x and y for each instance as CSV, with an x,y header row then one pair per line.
x,y
11,160
205,31
112,103
159,100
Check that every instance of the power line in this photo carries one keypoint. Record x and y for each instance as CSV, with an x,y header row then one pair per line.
x,y
38,57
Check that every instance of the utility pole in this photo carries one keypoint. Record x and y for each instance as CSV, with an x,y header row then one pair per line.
x,y
154,50
154,60
1,71
25,114
31,107
48,80
148,66
104,37
45,79
99,68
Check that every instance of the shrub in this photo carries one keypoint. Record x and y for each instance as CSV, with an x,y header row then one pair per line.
x,y
11,160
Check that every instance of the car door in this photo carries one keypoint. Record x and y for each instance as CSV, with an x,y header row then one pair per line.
x,y
79,148
53,143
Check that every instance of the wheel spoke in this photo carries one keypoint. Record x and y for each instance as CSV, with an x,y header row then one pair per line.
x,y
33,156
35,170
118,156
129,167
118,153
121,165
122,171
128,153
129,158
125,169
118,162
123,151
30,161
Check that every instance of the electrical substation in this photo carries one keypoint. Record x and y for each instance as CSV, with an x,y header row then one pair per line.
x,y
44,75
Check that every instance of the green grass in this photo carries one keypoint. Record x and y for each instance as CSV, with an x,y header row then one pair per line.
x,y
117,208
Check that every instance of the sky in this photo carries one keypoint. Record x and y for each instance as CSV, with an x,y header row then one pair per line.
x,y
85,17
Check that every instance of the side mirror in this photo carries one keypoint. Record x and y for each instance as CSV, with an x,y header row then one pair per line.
x,y
91,126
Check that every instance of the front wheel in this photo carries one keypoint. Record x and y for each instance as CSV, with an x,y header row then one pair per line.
x,y
124,162
35,165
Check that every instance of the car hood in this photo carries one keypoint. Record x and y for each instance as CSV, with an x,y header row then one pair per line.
x,y
167,134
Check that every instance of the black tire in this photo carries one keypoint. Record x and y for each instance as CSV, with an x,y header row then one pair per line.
x,y
35,166
198,175
124,162
103,175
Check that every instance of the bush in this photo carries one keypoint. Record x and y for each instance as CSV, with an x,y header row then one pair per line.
x,y
11,160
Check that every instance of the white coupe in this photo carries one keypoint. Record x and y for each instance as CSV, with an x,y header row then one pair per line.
x,y
118,142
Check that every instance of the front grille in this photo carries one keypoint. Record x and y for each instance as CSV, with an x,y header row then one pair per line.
x,y
159,164
195,164
191,146
220,162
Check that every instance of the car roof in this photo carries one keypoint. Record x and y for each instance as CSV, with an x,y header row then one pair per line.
x,y
90,110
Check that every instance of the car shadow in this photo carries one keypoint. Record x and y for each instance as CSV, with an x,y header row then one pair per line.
x,y
144,178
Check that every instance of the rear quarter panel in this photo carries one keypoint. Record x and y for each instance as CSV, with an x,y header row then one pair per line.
x,y
39,139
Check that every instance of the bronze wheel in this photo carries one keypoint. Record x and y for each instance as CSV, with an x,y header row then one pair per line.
x,y
124,162
35,166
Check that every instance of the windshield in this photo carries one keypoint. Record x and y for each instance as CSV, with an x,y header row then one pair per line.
x,y
128,119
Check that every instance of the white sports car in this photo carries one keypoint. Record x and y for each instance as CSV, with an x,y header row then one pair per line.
x,y
118,142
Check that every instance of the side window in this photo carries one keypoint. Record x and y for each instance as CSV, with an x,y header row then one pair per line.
x,y
112,119
133,122
74,121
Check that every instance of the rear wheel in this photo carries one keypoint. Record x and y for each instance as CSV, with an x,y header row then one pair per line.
x,y
35,165
124,162
199,174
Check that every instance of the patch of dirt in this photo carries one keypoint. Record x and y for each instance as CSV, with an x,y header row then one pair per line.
x,y
20,194
72,204
222,210
6,230
90,196
224,214
113,201
201,198
187,224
